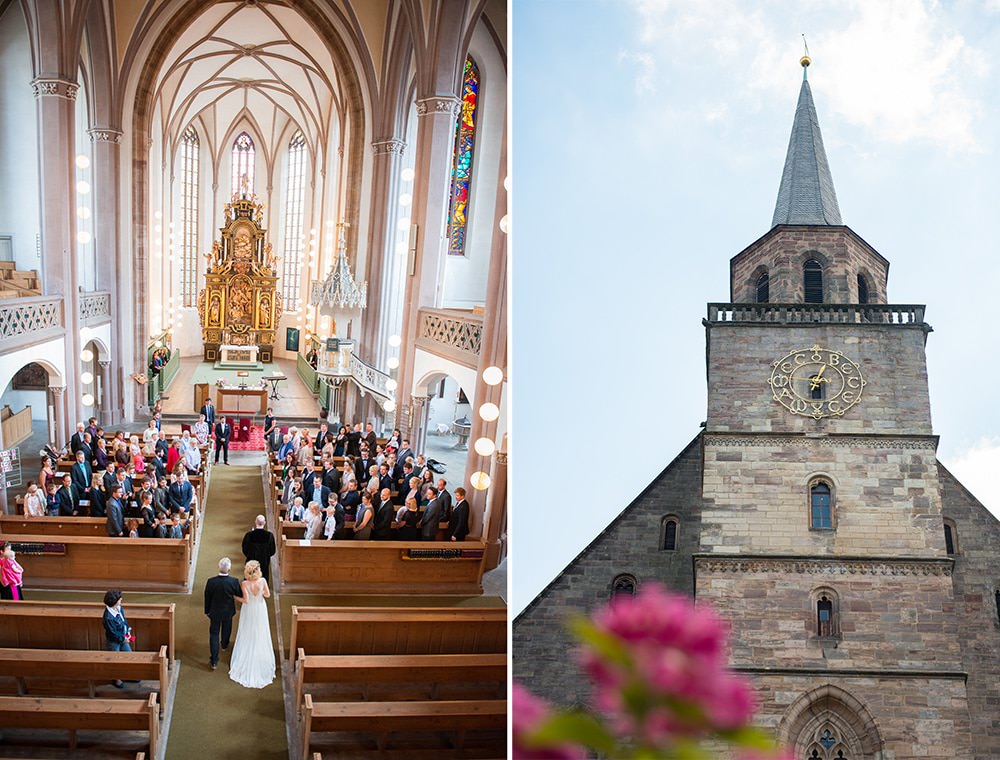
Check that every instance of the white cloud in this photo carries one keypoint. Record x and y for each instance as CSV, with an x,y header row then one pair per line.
x,y
645,75
976,468
895,67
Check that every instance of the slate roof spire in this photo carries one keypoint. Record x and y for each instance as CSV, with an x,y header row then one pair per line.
x,y
806,194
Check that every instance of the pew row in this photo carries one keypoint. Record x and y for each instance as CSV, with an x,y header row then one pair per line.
x,y
46,667
79,626
398,630
73,715
381,718
431,669
382,567
11,525
91,562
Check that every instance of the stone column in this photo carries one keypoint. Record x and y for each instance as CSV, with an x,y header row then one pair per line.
x,y
59,429
106,151
417,423
56,175
495,535
432,183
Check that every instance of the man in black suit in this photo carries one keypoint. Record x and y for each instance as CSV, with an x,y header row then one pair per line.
x,y
109,477
223,432
402,454
432,516
115,521
458,523
402,484
208,409
220,607
77,440
81,473
371,439
316,490
258,544
354,441
384,478
87,447
384,515
331,476
445,498
162,446
362,466
69,498
352,498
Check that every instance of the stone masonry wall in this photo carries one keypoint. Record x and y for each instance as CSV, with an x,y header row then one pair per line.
x,y
630,544
894,400
976,578
885,496
783,252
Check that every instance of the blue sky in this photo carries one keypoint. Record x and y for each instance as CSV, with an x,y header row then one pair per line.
x,y
648,142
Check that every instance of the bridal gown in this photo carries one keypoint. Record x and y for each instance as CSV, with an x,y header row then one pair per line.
x,y
252,663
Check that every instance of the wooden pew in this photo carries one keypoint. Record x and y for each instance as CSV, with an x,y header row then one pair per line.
x,y
385,668
92,562
398,630
11,525
79,625
381,718
88,714
80,665
382,567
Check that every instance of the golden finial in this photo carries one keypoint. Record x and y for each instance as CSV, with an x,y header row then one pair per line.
x,y
805,60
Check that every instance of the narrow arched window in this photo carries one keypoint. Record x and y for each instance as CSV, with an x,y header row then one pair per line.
x,y
817,391
824,617
189,216
996,600
294,240
763,288
623,585
461,165
669,534
820,506
862,289
812,277
950,537
243,162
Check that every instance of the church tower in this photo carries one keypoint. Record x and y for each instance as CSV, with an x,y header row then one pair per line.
x,y
812,511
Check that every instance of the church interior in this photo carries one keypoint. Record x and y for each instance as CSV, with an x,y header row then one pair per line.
x,y
270,238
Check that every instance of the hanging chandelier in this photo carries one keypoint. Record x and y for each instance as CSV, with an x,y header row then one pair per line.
x,y
339,295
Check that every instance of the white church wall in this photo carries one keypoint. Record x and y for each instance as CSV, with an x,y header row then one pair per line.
x,y
445,407
19,212
17,400
465,276
426,364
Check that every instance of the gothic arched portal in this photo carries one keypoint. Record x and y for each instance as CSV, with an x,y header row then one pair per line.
x,y
828,723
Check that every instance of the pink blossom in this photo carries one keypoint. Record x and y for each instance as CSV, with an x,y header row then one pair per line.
x,y
528,714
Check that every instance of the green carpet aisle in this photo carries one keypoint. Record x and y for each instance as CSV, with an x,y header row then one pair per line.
x,y
214,716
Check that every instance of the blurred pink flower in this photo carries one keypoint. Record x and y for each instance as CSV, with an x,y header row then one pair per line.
x,y
527,714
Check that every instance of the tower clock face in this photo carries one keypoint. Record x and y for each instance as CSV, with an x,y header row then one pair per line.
x,y
817,382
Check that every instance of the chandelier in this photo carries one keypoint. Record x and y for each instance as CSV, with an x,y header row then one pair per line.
x,y
339,295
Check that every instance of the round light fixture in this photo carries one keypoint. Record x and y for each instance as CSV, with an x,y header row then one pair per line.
x,y
405,199
158,344
506,184
480,480
392,362
407,174
401,248
395,341
87,355
157,215
83,237
83,187
88,399
403,224
505,224
86,378
485,447
390,385
83,212
82,161
492,375
489,411
389,406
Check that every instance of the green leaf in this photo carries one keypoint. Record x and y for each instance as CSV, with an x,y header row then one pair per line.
x,y
751,737
576,727
605,644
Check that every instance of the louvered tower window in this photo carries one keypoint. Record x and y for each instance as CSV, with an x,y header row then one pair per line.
x,y
763,288
812,274
862,289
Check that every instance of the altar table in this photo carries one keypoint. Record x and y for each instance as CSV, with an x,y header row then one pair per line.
x,y
232,354
237,402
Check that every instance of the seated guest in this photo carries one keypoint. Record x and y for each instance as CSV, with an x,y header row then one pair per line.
x,y
160,499
458,522
34,501
407,518
101,455
192,459
296,512
286,448
52,499
363,521
180,493
132,527
115,521
314,521
69,499
186,441
201,430
382,523
96,497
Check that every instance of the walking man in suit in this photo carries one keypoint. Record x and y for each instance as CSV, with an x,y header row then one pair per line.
x,y
258,544
432,516
223,432
208,409
220,606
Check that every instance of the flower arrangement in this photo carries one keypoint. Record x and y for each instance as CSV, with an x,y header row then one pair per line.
x,y
661,688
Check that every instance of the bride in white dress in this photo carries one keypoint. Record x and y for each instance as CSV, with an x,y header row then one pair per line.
x,y
252,663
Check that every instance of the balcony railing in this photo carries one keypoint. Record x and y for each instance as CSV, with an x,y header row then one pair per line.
x,y
369,378
28,320
95,307
455,335
908,315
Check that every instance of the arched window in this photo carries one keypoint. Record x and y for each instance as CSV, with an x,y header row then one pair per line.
x,y
996,600
461,165
292,257
817,389
820,506
243,155
812,277
668,533
826,609
189,216
623,585
862,289
763,288
950,537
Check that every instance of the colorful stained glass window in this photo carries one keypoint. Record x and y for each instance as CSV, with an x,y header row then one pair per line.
x,y
461,168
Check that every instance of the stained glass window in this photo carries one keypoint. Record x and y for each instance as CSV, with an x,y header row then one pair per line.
x,y
243,154
461,167
292,257
189,216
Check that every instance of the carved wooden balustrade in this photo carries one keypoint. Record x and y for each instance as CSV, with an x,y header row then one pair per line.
x,y
904,315
454,335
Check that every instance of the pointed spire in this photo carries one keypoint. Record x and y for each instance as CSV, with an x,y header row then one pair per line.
x,y
806,194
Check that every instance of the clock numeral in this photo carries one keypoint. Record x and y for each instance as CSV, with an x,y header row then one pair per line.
x,y
779,381
834,406
854,382
834,360
787,367
798,405
847,397
847,369
800,359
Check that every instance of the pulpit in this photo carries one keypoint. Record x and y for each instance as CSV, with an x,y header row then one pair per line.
x,y
239,307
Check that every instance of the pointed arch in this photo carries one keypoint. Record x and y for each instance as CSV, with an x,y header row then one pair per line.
x,y
828,707
244,154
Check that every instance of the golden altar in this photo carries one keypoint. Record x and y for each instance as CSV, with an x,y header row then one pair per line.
x,y
240,305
